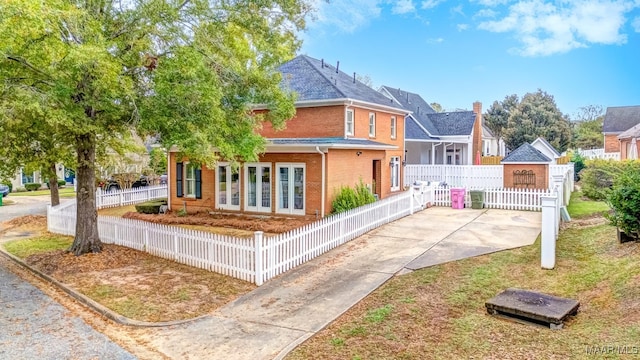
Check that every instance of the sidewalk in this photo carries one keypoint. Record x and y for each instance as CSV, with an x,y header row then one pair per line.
x,y
271,320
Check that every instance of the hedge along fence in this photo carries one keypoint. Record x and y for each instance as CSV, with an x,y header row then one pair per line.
x,y
32,186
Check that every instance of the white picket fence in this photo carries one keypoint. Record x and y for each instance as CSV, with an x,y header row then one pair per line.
x,y
489,176
497,198
599,154
255,259
472,176
106,199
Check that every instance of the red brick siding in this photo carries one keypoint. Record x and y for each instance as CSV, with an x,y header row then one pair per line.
x,y
611,143
541,171
326,121
313,187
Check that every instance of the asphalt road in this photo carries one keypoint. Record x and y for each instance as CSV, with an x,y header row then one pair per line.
x,y
32,325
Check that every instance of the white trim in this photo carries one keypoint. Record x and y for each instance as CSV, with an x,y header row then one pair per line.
x,y
259,194
344,101
346,122
291,190
394,128
185,186
228,205
372,115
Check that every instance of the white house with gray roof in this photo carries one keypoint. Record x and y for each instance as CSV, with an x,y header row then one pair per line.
x,y
436,138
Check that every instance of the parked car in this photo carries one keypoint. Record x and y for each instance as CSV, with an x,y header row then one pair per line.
x,y
4,190
163,179
112,184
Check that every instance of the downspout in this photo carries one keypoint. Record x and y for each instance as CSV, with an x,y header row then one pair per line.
x,y
323,181
433,152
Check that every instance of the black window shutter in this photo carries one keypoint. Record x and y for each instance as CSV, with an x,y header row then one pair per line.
x,y
198,184
179,190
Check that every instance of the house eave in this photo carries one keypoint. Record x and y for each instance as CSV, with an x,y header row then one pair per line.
x,y
342,102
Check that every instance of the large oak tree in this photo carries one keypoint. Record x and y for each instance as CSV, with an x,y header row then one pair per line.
x,y
186,70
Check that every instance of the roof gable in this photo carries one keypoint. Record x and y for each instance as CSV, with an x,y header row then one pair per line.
x,y
634,132
526,153
620,118
542,142
314,79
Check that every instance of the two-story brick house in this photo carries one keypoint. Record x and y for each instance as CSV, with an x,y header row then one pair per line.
x,y
343,132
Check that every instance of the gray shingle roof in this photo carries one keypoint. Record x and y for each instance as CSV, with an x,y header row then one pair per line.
x,y
329,141
412,131
315,79
526,153
437,124
620,118
634,132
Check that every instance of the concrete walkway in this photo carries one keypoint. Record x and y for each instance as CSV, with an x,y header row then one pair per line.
x,y
270,321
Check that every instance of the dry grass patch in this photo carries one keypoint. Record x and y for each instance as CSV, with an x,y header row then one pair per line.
x,y
439,312
139,285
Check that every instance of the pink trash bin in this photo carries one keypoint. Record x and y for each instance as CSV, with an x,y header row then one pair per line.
x,y
457,198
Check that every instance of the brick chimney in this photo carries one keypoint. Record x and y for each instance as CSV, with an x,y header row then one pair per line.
x,y
477,131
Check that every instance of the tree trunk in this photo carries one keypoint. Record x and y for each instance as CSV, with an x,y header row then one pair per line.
x,y
87,239
53,186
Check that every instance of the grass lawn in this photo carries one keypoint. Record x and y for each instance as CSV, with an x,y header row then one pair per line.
x,y
439,313
65,192
37,245
580,206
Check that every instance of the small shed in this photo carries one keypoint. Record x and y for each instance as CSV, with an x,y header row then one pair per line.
x,y
542,145
526,167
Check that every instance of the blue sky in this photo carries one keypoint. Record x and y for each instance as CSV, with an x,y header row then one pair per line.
x,y
582,52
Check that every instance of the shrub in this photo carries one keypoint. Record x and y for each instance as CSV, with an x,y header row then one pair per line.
x,y
9,184
61,183
624,199
350,198
598,175
21,189
32,186
150,207
578,164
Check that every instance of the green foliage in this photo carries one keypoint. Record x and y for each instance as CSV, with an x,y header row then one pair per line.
x,y
535,115
578,164
150,207
37,245
350,198
624,199
378,315
596,179
32,186
61,183
580,207
158,161
182,212
587,128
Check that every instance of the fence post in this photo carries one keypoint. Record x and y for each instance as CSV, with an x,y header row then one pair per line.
x,y
259,270
120,196
98,198
549,228
558,182
411,201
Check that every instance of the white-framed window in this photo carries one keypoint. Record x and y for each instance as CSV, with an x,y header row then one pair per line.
x,y
395,173
290,188
394,126
257,193
190,180
372,124
227,187
349,126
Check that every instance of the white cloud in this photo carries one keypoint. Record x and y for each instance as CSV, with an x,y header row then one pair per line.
x,y
485,13
403,7
435,40
345,15
546,28
636,24
457,10
462,27
430,4
491,3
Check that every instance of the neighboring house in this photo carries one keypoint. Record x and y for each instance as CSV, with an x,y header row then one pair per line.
x,y
547,149
21,178
343,132
629,143
492,145
616,121
453,138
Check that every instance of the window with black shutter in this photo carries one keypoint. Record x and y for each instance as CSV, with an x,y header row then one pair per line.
x,y
179,189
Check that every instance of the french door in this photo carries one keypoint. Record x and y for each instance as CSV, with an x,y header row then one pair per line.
x,y
290,189
258,187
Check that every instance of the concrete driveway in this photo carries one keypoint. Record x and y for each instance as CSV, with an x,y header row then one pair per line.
x,y
270,321
25,205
